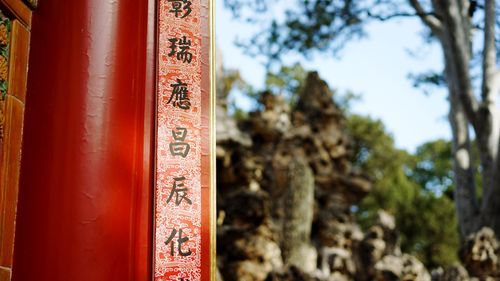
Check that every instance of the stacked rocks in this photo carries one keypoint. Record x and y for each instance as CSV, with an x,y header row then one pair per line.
x,y
285,192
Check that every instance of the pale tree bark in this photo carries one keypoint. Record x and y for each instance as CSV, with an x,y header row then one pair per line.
x,y
453,28
490,87
465,191
464,171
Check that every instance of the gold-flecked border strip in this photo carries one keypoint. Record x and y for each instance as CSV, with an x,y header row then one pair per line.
x,y
213,168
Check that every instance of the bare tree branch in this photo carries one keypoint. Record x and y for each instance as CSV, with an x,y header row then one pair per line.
x,y
396,15
429,19
489,54
456,44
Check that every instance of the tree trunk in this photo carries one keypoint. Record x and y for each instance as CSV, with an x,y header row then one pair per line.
x,y
464,171
465,109
490,88
465,193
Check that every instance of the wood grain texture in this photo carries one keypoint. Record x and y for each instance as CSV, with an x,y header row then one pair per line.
x,y
9,176
5,274
19,10
18,68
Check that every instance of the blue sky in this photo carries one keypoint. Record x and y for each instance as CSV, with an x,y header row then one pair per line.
x,y
376,67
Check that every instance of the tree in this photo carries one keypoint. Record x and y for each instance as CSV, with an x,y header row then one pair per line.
x,y
437,241
433,169
326,25
408,186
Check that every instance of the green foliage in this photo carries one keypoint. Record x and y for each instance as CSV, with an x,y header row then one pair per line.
x,y
433,168
373,147
409,187
305,26
239,114
428,81
229,80
288,81
229,84
429,229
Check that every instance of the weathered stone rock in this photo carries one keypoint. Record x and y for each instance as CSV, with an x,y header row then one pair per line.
x,y
258,248
285,192
480,254
248,270
291,274
299,203
404,268
247,210
453,273
227,130
218,276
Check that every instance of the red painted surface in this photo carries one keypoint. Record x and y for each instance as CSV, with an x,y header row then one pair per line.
x,y
207,144
187,256
86,184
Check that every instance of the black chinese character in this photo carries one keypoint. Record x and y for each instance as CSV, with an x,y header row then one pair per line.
x,y
179,147
179,96
180,241
178,7
180,192
173,46
184,45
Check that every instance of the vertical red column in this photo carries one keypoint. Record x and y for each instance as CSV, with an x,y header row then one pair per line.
x,y
85,208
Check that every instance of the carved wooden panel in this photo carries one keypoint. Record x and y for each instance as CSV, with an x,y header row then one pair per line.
x,y
16,9
14,47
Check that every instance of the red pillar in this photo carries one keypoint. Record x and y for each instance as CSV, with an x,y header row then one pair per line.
x,y
86,178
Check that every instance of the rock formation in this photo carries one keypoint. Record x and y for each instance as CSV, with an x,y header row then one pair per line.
x,y
285,193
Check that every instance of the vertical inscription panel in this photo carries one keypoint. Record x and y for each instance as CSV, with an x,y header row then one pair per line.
x,y
183,189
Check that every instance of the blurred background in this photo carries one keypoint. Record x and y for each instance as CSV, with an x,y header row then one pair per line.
x,y
357,140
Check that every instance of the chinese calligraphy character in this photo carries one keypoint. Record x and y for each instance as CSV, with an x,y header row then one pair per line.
x,y
180,241
180,192
179,96
177,7
184,45
179,147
